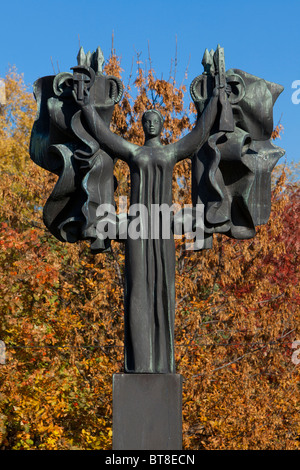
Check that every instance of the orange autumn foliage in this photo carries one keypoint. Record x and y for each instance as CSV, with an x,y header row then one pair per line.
x,y
61,313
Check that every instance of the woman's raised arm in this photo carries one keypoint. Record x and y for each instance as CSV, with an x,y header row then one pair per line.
x,y
193,141
116,145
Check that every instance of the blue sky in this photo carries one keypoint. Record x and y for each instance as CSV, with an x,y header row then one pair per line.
x,y
259,37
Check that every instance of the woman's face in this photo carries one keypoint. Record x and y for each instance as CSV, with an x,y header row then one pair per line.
x,y
152,125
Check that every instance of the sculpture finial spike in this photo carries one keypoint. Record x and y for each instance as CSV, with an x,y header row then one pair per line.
x,y
207,61
98,60
81,57
206,58
212,65
88,59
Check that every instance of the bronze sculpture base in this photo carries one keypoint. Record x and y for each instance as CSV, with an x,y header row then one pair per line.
x,y
147,412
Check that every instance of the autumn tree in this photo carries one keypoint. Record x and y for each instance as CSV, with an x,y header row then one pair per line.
x,y
61,314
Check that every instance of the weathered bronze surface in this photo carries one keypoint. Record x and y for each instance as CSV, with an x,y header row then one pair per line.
x,y
232,159
147,412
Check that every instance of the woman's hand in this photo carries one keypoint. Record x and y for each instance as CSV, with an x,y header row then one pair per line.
x,y
216,91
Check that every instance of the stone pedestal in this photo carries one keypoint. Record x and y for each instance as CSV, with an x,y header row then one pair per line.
x,y
147,412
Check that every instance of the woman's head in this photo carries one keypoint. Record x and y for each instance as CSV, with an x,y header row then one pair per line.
x,y
152,122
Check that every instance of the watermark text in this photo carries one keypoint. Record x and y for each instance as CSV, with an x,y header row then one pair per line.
x,y
152,222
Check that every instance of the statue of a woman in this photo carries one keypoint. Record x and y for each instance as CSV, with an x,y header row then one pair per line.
x,y
150,263
232,159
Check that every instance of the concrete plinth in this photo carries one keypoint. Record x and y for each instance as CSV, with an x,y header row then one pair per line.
x,y
147,412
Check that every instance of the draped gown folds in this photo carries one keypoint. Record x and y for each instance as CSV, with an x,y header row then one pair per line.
x,y
150,270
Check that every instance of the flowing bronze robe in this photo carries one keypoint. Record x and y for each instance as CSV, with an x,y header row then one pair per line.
x,y
150,262
150,269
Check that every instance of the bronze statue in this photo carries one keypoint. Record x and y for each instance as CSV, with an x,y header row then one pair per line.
x,y
232,159
150,263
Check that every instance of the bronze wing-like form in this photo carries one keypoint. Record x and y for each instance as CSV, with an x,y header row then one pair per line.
x,y
231,174
61,144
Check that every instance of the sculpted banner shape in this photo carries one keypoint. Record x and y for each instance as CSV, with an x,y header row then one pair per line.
x,y
61,144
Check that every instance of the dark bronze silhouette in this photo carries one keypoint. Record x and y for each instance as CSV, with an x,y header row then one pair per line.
x,y
232,159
